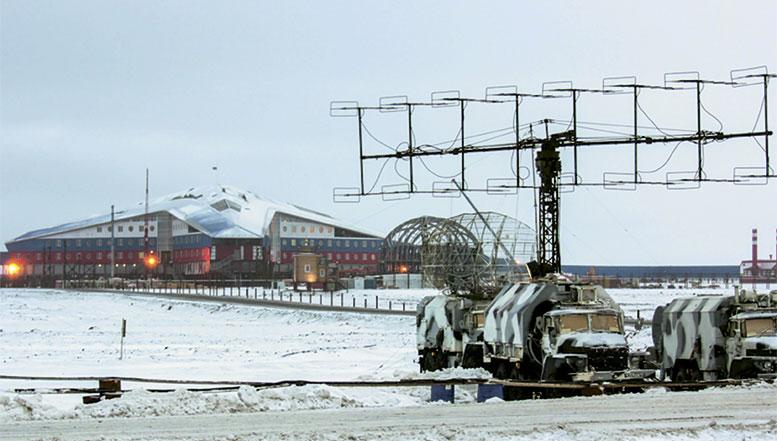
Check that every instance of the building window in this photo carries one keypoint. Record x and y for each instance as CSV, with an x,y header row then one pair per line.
x,y
110,229
293,228
59,256
120,242
256,252
348,244
130,228
364,244
120,254
151,228
307,267
99,255
302,229
329,256
373,257
99,229
364,256
337,256
285,228
99,242
121,228
294,242
78,243
283,242
329,243
38,256
213,252
321,230
347,256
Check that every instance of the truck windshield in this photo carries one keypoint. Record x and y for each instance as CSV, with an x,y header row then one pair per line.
x,y
572,323
605,322
759,326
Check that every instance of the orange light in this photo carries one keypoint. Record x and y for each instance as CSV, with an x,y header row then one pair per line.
x,y
403,269
151,261
13,269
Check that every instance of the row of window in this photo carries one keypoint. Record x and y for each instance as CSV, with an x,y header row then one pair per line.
x,y
120,228
88,256
309,229
195,239
87,243
191,253
340,256
339,243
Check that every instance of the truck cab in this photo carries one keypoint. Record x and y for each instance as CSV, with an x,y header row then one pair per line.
x,y
752,344
585,345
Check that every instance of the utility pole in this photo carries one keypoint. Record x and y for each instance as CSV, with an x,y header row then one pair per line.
x,y
113,229
64,265
145,229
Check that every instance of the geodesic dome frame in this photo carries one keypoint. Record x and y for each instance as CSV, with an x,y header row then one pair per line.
x,y
461,254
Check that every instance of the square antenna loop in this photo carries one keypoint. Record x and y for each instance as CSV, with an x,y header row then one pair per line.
x,y
394,103
749,76
395,192
343,109
552,89
445,189
567,182
501,186
683,180
619,181
750,176
681,80
445,98
346,195
619,85
500,92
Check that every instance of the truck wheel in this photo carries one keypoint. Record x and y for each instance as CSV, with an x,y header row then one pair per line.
x,y
502,370
473,357
687,372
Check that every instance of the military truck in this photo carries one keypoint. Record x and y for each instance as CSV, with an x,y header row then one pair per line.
x,y
709,338
551,329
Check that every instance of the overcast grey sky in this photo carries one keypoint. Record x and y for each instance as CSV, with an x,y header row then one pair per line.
x,y
92,93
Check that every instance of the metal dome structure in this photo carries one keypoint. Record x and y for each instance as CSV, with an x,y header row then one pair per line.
x,y
461,254
402,248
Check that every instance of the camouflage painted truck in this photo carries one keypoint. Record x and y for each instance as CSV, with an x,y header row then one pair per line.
x,y
716,337
551,329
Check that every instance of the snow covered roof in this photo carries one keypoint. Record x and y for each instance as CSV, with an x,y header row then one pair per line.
x,y
220,211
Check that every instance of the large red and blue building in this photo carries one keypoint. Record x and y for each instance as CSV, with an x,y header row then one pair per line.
x,y
202,232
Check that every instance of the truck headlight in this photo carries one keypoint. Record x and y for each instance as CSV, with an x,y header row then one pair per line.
x,y
578,363
764,365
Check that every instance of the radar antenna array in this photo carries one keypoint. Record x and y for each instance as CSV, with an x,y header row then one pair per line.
x,y
545,150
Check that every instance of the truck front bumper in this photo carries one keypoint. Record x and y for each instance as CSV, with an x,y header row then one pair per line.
x,y
626,375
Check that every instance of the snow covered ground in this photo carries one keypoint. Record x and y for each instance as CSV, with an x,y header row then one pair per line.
x,y
57,333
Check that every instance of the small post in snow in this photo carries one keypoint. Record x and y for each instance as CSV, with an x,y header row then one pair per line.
x,y
123,334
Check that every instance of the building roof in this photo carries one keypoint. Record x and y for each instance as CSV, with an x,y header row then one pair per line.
x,y
220,211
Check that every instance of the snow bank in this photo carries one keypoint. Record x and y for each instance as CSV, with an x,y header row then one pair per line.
x,y
142,403
25,407
444,374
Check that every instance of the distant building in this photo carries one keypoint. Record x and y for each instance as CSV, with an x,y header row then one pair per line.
x,y
758,270
213,231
